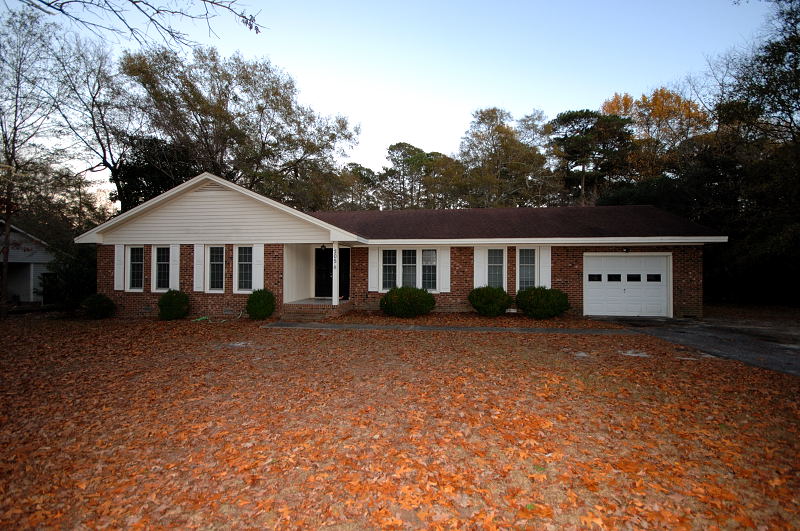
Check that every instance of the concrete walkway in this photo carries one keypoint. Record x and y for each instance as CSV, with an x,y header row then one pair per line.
x,y
419,328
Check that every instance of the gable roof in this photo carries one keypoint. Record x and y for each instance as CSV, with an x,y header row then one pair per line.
x,y
96,234
26,234
555,223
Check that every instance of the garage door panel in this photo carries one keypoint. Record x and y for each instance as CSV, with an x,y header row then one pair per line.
x,y
631,285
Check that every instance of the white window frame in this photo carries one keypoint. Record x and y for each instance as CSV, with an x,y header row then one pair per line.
x,y
208,269
154,268
127,269
536,258
399,265
236,248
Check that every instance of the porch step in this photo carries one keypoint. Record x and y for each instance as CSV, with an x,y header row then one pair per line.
x,y
311,312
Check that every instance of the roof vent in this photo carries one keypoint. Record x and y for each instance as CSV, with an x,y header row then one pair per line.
x,y
213,187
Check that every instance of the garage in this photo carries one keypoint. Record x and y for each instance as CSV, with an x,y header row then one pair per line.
x,y
627,284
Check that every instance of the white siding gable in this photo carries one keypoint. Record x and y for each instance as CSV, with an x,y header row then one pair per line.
x,y
26,250
214,214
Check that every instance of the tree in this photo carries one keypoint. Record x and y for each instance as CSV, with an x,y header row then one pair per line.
x,y
26,104
240,119
360,188
499,165
96,110
590,150
401,185
137,19
660,122
768,79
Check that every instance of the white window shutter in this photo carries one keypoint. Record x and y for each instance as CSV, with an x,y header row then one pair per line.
x,y
258,266
199,267
119,267
443,268
175,267
543,259
479,264
373,269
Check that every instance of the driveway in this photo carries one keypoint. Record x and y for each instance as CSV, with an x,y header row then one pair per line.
x,y
770,341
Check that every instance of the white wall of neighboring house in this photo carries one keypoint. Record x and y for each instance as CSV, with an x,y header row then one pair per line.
x,y
28,259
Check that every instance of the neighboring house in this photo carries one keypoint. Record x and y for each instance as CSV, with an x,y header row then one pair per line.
x,y
27,261
218,242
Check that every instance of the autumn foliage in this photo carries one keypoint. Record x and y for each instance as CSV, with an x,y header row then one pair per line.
x,y
152,424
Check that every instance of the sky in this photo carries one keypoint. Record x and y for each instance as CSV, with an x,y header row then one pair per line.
x,y
415,71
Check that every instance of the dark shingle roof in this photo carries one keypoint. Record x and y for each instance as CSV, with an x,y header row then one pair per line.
x,y
554,222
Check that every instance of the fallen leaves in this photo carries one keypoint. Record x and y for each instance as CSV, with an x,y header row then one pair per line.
x,y
181,424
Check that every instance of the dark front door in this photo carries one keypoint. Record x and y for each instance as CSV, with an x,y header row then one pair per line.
x,y
323,272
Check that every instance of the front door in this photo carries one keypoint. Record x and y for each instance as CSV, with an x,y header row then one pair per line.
x,y
323,272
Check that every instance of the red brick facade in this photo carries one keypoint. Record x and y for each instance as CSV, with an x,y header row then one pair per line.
x,y
145,302
566,274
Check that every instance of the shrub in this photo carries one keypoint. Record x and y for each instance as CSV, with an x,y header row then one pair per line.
x,y
98,306
407,302
260,304
542,303
490,301
173,305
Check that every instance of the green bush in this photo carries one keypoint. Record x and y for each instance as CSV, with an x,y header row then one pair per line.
x,y
489,301
260,304
542,303
407,302
98,306
173,305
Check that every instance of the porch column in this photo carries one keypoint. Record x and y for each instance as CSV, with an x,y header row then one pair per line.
x,y
335,279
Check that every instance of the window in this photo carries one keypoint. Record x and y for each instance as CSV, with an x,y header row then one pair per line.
x,y
416,268
651,277
634,277
595,277
162,268
244,268
216,268
409,268
495,271
527,268
429,269
615,277
136,268
389,269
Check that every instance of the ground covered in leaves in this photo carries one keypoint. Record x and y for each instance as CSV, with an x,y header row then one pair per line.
x,y
510,320
200,424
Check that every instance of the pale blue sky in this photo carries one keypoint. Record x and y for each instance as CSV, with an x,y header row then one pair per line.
x,y
415,71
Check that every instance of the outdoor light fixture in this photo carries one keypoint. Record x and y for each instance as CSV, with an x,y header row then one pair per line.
x,y
323,247
624,249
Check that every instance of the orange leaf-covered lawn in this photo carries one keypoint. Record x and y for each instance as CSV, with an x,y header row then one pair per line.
x,y
197,424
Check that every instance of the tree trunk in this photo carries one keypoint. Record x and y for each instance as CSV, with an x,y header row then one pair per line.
x,y
6,249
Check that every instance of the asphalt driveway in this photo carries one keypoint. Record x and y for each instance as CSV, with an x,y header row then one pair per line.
x,y
763,341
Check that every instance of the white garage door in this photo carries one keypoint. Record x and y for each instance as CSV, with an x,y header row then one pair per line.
x,y
626,285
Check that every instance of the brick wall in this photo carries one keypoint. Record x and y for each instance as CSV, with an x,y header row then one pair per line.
x,y
687,275
567,275
145,303
567,268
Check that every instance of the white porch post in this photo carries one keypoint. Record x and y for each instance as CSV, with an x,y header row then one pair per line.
x,y
335,288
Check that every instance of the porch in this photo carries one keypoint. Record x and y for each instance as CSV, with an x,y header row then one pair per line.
x,y
316,280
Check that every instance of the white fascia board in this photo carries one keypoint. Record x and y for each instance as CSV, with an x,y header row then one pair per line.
x,y
652,240
95,235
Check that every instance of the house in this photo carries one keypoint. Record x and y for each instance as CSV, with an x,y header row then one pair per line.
x,y
28,257
218,242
